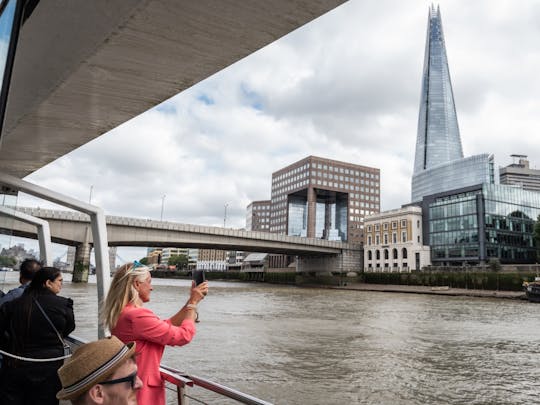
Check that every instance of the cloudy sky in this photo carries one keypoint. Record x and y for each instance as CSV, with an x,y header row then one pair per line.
x,y
346,87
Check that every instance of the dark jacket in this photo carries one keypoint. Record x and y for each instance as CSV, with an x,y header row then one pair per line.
x,y
33,336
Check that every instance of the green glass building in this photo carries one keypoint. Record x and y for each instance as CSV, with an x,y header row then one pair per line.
x,y
473,224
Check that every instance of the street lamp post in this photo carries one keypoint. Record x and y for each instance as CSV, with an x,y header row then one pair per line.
x,y
162,205
225,215
90,196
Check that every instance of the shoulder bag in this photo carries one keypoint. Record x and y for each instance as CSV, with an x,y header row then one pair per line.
x,y
67,348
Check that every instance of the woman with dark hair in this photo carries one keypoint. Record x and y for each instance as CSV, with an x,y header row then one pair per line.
x,y
33,326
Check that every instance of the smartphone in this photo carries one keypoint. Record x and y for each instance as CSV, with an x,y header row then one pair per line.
x,y
198,276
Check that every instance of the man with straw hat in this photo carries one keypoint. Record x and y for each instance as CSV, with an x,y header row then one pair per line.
x,y
101,372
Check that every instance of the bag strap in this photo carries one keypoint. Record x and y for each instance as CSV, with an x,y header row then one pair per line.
x,y
50,322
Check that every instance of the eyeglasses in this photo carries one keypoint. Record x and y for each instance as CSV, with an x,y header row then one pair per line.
x,y
132,379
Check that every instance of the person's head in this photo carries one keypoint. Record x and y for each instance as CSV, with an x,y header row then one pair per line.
x,y
101,372
49,278
132,283
28,268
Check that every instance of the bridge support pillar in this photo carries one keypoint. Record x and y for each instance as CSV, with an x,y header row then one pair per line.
x,y
329,269
81,267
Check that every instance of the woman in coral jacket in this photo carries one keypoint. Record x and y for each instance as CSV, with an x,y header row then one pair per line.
x,y
124,315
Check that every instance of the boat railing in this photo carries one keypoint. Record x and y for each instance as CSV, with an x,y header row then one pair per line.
x,y
186,383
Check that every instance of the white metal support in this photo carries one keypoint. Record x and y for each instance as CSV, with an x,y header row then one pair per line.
x,y
97,220
43,231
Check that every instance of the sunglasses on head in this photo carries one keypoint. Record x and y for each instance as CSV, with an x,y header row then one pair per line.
x,y
132,378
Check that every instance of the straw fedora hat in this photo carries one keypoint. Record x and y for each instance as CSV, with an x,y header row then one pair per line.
x,y
91,363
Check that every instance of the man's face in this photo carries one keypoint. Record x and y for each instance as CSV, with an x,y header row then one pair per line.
x,y
122,393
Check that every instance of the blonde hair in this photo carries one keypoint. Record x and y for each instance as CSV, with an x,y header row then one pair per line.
x,y
122,292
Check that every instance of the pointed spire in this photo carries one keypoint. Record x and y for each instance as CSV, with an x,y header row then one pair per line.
x,y
438,139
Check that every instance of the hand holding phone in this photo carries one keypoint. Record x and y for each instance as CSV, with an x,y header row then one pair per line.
x,y
198,276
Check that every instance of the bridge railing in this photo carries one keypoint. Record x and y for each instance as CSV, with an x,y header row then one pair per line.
x,y
174,226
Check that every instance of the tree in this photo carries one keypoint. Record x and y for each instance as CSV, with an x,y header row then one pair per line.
x,y
180,261
144,261
7,261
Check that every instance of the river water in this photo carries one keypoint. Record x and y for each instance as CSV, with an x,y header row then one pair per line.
x,y
291,345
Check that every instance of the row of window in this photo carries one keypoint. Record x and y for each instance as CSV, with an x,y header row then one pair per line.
x,y
394,225
346,179
302,170
386,240
371,255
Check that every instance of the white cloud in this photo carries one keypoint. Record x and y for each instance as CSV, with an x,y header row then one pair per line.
x,y
346,87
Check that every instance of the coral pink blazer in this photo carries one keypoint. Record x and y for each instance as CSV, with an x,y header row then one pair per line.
x,y
152,334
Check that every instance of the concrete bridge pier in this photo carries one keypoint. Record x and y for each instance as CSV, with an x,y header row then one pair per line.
x,y
81,268
317,268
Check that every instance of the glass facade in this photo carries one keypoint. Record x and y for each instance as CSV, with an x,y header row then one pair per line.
x,y
297,216
510,214
495,221
439,164
438,140
354,191
477,169
330,215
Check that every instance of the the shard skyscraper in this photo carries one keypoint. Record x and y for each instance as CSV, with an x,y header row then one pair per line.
x,y
439,164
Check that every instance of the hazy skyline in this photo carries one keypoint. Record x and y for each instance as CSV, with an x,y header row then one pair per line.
x,y
346,87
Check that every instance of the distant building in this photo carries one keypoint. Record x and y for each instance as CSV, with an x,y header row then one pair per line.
x,y
477,223
70,258
519,173
153,256
166,253
323,198
212,259
112,257
193,255
394,241
439,164
258,216
235,259
19,253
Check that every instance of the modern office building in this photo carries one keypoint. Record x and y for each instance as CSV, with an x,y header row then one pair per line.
x,y
520,174
258,216
476,169
477,223
322,198
394,241
439,164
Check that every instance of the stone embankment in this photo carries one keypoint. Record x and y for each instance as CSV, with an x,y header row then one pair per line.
x,y
410,289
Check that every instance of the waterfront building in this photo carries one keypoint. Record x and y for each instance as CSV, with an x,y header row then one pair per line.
x,y
235,259
478,223
70,258
323,198
212,259
112,257
439,164
519,173
394,241
166,253
154,256
193,255
258,216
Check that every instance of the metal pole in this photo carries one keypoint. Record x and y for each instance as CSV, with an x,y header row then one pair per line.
x,y
90,196
225,215
97,219
162,204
